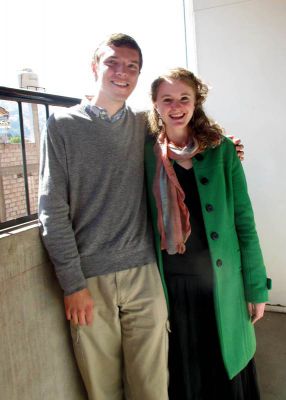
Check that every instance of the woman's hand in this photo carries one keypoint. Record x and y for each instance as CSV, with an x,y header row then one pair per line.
x,y
256,311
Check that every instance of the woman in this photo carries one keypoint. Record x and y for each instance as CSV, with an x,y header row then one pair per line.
x,y
208,250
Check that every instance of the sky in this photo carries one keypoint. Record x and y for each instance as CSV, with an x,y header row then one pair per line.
x,y
56,38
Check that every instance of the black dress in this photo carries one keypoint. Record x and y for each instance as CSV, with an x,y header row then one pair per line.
x,y
196,367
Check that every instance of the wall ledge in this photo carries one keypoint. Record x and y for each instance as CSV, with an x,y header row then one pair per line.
x,y
275,308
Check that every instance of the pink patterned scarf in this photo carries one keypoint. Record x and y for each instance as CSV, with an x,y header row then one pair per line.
x,y
173,215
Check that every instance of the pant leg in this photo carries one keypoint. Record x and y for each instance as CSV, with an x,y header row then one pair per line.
x,y
98,348
144,323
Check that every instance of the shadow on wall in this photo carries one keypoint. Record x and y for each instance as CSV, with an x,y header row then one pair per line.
x,y
36,354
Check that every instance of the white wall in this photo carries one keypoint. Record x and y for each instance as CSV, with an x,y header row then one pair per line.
x,y
241,53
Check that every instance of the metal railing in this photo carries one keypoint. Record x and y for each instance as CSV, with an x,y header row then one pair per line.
x,y
47,100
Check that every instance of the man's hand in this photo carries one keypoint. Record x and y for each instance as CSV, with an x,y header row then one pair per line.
x,y
79,307
256,311
238,147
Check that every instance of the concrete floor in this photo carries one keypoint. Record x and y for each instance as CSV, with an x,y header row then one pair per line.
x,y
271,355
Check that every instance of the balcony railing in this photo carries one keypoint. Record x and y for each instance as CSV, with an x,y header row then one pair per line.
x,y
23,113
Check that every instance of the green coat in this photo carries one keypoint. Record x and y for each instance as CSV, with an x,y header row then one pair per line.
x,y
239,271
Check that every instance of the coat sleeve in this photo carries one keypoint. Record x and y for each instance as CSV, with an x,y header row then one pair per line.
x,y
256,283
54,213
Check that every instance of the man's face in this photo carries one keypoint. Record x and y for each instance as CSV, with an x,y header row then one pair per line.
x,y
116,73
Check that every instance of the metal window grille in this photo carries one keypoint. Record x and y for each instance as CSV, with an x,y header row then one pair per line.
x,y
26,96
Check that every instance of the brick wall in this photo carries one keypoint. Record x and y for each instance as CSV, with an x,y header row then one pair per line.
x,y
12,189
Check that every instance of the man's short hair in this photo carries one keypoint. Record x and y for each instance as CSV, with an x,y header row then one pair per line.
x,y
118,40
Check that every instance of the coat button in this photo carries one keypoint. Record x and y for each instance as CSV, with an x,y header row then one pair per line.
x,y
214,235
219,262
209,207
269,283
199,157
204,181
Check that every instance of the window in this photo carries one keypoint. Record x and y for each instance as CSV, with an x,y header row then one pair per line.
x,y
57,40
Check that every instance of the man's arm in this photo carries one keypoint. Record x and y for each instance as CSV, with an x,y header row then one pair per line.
x,y
56,226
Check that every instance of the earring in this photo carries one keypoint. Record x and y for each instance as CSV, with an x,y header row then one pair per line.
x,y
160,122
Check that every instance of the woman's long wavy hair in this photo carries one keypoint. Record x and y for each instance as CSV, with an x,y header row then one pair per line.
x,y
207,132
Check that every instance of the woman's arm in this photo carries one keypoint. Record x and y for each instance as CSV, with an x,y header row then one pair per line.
x,y
253,268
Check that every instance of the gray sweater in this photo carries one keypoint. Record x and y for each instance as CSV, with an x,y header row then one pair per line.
x,y
92,205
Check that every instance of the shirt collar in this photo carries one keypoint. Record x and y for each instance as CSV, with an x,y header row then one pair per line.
x,y
101,113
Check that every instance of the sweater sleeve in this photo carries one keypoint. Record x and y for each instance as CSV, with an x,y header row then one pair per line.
x,y
253,268
54,216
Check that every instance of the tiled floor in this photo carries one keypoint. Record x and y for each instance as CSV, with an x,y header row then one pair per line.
x,y
271,355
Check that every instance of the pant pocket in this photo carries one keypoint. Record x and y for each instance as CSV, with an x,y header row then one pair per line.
x,y
75,334
78,347
168,330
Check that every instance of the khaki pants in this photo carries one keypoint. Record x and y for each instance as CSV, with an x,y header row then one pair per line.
x,y
123,355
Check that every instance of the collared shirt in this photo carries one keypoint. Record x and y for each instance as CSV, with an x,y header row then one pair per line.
x,y
102,113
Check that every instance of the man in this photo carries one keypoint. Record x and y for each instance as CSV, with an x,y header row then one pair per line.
x,y
93,217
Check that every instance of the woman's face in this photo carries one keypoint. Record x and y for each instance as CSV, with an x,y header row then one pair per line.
x,y
175,103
